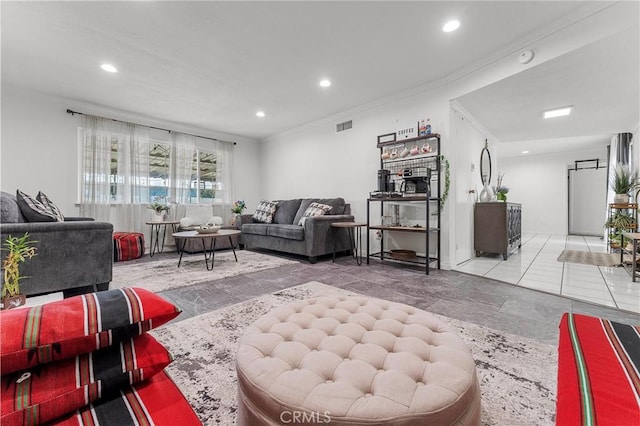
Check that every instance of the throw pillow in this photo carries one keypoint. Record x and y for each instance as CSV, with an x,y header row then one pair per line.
x,y
265,211
48,204
44,393
32,209
78,325
155,401
314,209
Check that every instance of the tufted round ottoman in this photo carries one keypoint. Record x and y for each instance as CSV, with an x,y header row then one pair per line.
x,y
354,360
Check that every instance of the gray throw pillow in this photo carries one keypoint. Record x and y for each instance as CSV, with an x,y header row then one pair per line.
x,y
33,210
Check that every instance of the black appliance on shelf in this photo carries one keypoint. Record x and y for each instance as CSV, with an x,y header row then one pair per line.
x,y
384,181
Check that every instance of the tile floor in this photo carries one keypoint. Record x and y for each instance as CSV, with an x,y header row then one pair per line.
x,y
535,266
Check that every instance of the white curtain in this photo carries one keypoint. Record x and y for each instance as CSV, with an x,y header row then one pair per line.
x,y
119,196
182,152
225,191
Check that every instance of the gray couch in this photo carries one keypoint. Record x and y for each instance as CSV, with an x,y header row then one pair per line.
x,y
74,256
315,238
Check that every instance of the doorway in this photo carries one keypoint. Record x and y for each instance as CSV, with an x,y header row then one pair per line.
x,y
587,182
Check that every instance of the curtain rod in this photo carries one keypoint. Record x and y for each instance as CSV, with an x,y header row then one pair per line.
x,y
151,127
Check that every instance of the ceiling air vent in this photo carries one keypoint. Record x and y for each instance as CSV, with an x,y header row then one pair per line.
x,y
340,127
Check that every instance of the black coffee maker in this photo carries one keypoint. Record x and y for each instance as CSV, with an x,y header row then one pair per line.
x,y
384,181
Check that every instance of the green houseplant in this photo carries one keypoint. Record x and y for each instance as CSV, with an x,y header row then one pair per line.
x,y
19,250
159,209
622,181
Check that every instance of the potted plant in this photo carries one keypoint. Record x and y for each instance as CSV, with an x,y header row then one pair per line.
x,y
19,250
159,209
622,181
500,190
237,209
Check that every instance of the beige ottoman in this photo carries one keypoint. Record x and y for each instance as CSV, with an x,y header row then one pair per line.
x,y
355,360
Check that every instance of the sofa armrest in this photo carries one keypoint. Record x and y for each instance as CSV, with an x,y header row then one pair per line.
x,y
242,219
319,235
69,254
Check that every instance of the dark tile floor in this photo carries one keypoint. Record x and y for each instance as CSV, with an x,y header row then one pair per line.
x,y
483,301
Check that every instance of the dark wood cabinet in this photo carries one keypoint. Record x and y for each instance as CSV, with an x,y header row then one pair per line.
x,y
497,228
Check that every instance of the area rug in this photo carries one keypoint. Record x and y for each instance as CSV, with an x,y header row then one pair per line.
x,y
165,275
517,375
589,258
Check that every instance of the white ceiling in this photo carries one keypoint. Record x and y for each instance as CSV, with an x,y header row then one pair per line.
x,y
212,65
600,80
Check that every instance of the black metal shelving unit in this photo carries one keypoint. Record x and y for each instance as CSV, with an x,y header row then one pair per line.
x,y
431,199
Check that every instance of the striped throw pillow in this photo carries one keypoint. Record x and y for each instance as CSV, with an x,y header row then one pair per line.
x,y
78,325
39,395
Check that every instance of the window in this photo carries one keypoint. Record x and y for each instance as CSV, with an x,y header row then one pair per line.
x,y
203,177
159,163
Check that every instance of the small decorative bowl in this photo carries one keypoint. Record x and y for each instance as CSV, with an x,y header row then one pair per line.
x,y
208,229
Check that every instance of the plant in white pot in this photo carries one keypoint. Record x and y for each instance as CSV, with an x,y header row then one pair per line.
x,y
19,250
622,181
159,209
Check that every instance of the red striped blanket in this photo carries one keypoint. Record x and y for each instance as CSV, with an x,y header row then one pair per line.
x,y
598,372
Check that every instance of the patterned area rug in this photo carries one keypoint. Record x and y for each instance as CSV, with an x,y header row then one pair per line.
x,y
589,258
517,375
165,274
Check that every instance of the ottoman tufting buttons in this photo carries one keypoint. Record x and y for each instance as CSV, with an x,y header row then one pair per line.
x,y
356,360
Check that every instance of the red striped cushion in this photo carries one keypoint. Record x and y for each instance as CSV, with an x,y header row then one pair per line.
x,y
598,372
157,401
78,325
44,393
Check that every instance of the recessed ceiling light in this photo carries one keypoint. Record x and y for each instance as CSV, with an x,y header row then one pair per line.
x,y
260,114
558,112
108,68
325,83
525,152
451,26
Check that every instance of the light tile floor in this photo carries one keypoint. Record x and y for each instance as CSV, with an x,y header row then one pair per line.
x,y
536,266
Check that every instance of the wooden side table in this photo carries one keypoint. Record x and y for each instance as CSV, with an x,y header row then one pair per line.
x,y
155,232
635,238
354,238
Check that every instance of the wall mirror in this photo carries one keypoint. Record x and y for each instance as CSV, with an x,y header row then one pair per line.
x,y
485,165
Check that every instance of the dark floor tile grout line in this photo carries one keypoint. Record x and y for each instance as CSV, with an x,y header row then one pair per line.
x,y
533,260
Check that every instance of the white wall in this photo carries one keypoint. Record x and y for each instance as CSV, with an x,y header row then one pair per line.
x,y
539,182
39,147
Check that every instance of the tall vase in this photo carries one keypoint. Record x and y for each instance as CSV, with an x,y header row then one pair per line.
x,y
234,219
485,194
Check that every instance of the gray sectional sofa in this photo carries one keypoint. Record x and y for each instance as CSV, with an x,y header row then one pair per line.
x,y
74,256
315,238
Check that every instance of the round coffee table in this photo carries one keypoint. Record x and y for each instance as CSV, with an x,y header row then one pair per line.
x,y
208,243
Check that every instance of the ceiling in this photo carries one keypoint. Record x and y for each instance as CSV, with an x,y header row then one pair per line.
x,y
212,65
601,81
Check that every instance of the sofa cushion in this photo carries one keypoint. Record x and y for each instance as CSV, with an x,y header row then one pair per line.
x,y
9,210
33,210
286,211
290,232
46,201
314,209
265,211
78,325
61,387
255,228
